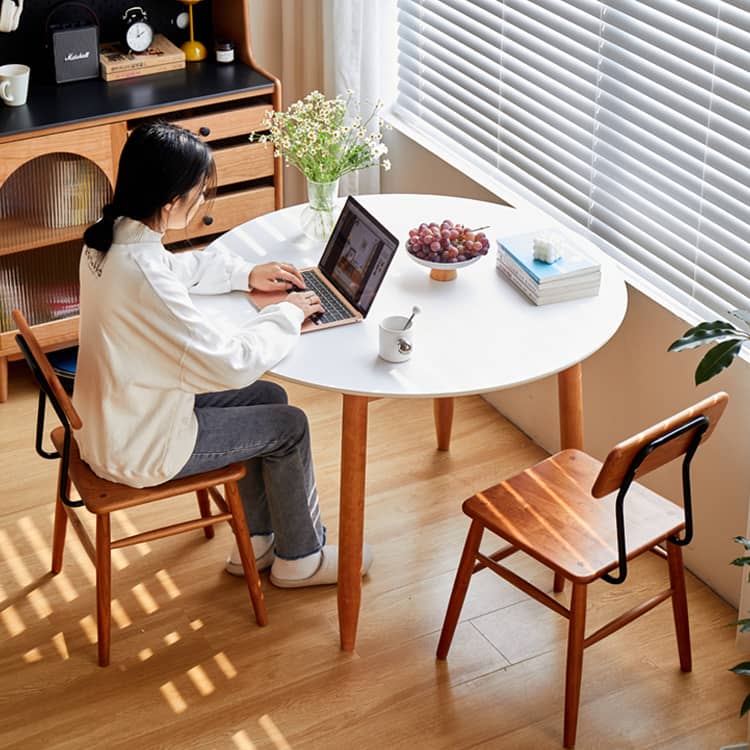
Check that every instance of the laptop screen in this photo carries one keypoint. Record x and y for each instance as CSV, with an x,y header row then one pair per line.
x,y
357,255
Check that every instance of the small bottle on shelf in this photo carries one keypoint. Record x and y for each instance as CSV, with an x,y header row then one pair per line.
x,y
224,52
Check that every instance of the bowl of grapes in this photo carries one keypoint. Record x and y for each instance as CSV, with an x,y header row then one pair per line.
x,y
446,247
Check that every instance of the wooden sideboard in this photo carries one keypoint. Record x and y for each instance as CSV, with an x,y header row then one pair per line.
x,y
59,156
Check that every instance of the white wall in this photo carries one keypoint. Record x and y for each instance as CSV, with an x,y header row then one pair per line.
x,y
629,384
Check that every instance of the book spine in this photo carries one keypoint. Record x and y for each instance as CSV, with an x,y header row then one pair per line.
x,y
149,61
119,75
519,283
508,253
506,264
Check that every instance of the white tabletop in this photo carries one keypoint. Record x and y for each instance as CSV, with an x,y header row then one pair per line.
x,y
475,334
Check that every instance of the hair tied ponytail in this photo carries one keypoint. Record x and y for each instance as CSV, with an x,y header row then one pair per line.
x,y
99,236
109,213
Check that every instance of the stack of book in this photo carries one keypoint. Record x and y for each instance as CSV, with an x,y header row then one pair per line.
x,y
161,56
571,276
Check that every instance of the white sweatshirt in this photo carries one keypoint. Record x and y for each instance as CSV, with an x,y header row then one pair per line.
x,y
145,351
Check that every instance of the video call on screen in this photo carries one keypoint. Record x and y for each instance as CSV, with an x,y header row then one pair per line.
x,y
362,259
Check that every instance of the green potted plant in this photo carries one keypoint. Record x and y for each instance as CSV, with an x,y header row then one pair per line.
x,y
726,337
727,340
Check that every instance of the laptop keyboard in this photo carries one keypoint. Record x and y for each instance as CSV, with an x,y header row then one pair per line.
x,y
334,309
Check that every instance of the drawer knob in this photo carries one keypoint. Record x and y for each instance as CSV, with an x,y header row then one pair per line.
x,y
208,220
204,131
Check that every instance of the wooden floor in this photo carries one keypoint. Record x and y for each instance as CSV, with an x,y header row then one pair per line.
x,y
190,669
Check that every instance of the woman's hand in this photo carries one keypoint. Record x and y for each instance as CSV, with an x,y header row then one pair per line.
x,y
275,277
308,302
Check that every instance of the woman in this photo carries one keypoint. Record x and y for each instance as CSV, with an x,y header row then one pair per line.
x,y
162,392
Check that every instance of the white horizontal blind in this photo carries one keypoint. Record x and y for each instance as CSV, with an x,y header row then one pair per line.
x,y
627,118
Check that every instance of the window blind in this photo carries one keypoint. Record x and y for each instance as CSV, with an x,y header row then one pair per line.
x,y
628,119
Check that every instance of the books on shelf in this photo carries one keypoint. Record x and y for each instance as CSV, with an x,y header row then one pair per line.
x,y
571,276
117,63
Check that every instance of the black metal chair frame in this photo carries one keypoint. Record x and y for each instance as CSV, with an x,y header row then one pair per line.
x,y
45,393
700,425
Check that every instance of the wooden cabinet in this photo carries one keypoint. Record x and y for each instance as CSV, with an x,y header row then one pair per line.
x,y
58,164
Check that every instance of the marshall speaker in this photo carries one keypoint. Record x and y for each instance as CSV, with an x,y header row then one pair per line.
x,y
73,39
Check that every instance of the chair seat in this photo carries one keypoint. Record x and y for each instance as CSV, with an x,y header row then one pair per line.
x,y
548,512
102,496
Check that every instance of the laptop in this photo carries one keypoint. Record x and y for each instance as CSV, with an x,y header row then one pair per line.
x,y
350,272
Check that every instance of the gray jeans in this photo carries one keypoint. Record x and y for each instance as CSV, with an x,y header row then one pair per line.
x,y
256,425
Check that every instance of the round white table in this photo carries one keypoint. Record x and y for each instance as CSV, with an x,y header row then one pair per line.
x,y
475,334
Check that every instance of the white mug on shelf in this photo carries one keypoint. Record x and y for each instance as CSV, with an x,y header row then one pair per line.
x,y
396,342
14,84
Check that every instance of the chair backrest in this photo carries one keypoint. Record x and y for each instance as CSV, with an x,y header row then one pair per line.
x,y
620,459
43,372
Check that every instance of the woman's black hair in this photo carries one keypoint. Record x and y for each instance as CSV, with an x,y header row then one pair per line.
x,y
159,163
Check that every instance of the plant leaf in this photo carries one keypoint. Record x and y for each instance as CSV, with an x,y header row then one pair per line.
x,y
742,668
740,561
717,359
744,624
745,706
744,541
705,332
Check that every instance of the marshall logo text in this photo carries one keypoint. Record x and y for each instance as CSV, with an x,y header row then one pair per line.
x,y
77,56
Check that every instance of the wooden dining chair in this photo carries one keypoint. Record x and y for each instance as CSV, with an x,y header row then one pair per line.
x,y
552,512
102,498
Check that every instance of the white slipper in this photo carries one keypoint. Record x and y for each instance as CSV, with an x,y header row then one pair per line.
x,y
328,570
234,563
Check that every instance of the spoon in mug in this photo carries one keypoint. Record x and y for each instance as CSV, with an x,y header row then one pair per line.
x,y
416,309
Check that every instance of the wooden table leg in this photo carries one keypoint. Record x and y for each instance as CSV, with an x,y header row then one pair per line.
x,y
443,410
3,379
570,405
351,515
570,402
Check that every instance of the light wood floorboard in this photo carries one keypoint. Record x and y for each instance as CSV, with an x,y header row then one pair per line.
x,y
190,669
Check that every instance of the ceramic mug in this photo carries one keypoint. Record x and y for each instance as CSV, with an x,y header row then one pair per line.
x,y
14,84
396,343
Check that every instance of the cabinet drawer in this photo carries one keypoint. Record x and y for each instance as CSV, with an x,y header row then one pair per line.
x,y
94,144
228,211
241,163
216,125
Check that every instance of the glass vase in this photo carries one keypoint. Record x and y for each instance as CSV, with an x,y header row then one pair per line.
x,y
320,213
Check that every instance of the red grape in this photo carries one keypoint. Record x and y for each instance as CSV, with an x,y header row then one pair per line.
x,y
447,242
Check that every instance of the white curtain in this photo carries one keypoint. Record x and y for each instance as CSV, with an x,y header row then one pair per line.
x,y
359,54
287,41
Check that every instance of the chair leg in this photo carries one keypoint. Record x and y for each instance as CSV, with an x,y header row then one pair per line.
x,y
679,604
204,505
239,525
58,533
103,587
460,587
574,667
559,583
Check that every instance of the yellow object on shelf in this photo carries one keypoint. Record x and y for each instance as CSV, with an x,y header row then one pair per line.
x,y
193,49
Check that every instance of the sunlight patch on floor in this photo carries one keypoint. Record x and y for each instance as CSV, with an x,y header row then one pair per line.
x,y
273,732
147,602
58,639
242,741
12,621
89,628
169,586
172,696
119,615
201,680
226,666
32,656
123,520
44,554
